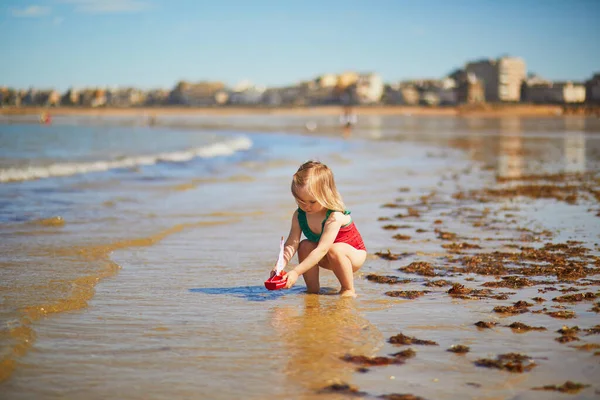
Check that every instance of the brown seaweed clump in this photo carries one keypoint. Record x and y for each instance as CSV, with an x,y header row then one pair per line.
x,y
406,340
392,227
438,283
342,388
445,235
401,237
573,298
459,349
587,346
568,334
485,325
372,361
513,282
458,289
566,193
390,256
457,247
595,330
419,268
521,327
563,314
512,362
406,294
408,353
518,308
538,299
484,264
596,308
400,396
566,339
389,279
565,330
567,387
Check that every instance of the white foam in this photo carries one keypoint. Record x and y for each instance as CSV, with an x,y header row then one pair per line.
x,y
225,148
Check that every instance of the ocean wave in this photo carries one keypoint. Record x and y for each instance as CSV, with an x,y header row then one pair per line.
x,y
26,173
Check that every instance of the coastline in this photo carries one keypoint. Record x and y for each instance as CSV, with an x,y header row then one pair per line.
x,y
485,110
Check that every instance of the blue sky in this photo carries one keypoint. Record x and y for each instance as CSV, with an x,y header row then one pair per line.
x,y
155,43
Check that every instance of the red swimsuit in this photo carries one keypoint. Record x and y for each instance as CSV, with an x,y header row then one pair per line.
x,y
347,234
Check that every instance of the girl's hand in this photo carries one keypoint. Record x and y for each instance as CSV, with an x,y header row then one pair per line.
x,y
291,278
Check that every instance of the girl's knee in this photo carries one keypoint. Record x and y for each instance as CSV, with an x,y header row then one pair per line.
x,y
305,247
336,253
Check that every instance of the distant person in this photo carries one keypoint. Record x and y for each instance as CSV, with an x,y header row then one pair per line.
x,y
332,239
45,118
348,120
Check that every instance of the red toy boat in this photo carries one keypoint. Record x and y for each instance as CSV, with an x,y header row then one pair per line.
x,y
276,282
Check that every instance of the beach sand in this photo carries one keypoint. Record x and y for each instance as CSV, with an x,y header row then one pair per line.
x,y
456,217
489,110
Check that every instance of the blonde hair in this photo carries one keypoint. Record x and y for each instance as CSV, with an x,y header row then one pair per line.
x,y
318,180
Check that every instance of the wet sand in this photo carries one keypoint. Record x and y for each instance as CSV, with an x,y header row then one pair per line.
x,y
489,110
458,223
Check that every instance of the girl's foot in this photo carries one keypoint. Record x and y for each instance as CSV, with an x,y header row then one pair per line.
x,y
348,293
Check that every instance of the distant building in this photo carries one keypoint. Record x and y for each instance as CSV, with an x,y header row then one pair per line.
x,y
30,98
98,98
448,91
554,93
245,95
368,88
285,96
410,95
502,78
327,80
469,89
592,89
50,98
429,97
195,94
71,97
346,79
321,96
157,97
400,94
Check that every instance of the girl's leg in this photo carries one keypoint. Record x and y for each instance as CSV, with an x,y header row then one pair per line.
x,y
344,260
311,277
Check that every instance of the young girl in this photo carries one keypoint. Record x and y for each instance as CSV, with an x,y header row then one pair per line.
x,y
332,240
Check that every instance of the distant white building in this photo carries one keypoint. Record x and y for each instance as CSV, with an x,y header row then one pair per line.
x,y
369,88
502,78
327,80
248,95
555,92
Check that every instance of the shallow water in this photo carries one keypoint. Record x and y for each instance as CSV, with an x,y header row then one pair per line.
x,y
150,282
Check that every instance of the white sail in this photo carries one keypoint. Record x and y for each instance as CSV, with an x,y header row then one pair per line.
x,y
280,261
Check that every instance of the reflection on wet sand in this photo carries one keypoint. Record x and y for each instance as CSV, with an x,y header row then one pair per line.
x,y
510,162
328,328
575,152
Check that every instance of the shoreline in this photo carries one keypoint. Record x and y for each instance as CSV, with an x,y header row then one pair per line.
x,y
485,110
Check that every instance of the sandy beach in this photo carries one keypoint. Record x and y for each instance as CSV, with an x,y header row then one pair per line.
x,y
489,110
139,271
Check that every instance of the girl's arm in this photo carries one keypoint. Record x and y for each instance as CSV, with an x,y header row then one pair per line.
x,y
292,242
330,232
293,239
